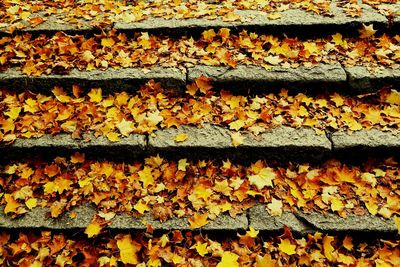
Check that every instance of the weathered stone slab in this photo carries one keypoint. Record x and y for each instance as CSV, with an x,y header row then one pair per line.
x,y
303,223
124,79
60,144
222,222
363,80
365,142
255,77
39,218
292,21
353,223
213,141
260,219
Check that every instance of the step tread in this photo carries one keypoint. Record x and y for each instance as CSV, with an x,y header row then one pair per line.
x,y
372,139
38,218
304,223
282,141
248,18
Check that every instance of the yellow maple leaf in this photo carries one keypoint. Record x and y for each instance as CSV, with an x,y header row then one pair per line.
x,y
328,248
181,137
265,261
141,207
146,177
236,125
209,35
201,248
182,164
60,94
263,178
286,247
125,127
113,136
95,95
107,42
393,98
252,233
229,259
31,203
176,259
13,113
275,207
198,220
273,60
93,229
237,139
12,205
337,204
128,249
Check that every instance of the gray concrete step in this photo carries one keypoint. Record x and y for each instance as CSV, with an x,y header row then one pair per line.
x,y
304,223
242,79
215,142
110,80
292,22
256,217
39,218
206,142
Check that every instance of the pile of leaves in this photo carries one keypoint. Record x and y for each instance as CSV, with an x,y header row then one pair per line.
x,y
189,249
16,14
28,115
200,190
60,53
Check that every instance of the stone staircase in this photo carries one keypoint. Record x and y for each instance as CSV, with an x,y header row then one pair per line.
x,y
206,141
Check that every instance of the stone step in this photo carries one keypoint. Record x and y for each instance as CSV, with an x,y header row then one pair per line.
x,y
62,144
206,142
215,142
292,22
256,78
38,218
110,80
304,223
256,217
364,143
242,79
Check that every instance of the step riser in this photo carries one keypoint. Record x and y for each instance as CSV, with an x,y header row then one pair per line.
x,y
214,142
243,79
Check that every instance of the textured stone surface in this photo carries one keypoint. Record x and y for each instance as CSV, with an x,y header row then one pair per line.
x,y
63,143
53,23
246,77
127,79
39,218
291,21
353,223
260,219
222,222
308,223
366,142
363,80
281,142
